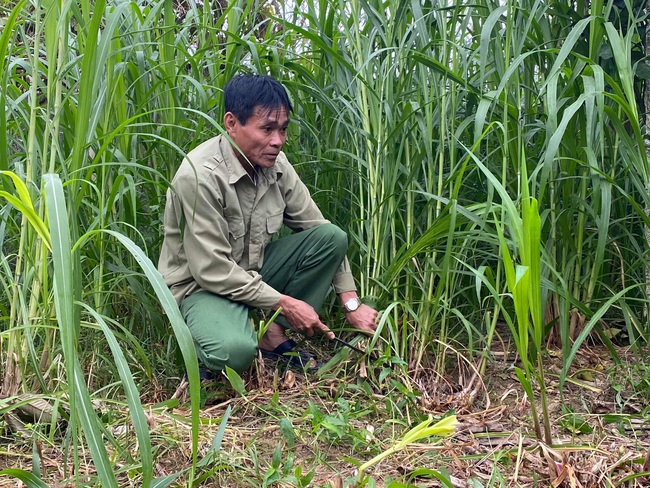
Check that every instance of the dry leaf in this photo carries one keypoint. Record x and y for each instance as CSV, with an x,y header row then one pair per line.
x,y
288,380
337,482
363,372
151,421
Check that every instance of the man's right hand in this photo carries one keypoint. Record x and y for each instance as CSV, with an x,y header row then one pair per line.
x,y
302,317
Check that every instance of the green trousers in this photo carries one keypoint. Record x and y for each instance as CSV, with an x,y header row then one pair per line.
x,y
301,265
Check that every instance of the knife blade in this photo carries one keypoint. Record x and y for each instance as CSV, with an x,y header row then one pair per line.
x,y
347,344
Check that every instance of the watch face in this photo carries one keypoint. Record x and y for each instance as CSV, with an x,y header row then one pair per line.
x,y
352,304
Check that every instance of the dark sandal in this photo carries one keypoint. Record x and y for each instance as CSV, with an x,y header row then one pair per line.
x,y
204,374
292,357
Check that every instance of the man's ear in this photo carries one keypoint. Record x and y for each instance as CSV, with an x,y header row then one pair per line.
x,y
230,122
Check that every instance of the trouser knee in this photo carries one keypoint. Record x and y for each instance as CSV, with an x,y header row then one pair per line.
x,y
334,235
223,335
237,353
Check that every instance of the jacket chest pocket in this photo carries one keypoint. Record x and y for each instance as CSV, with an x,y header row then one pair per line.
x,y
274,222
236,233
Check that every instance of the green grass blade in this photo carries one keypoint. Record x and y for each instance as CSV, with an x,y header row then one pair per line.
x,y
594,319
567,48
622,56
209,457
5,37
216,444
183,336
236,381
25,476
140,425
23,202
89,72
164,481
532,226
68,320
486,34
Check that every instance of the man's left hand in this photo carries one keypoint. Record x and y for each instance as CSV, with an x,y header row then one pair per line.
x,y
364,319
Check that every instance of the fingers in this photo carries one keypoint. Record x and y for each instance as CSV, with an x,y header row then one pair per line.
x,y
325,330
364,319
365,329
310,324
317,327
303,318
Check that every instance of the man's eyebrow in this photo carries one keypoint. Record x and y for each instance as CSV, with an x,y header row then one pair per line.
x,y
271,121
270,113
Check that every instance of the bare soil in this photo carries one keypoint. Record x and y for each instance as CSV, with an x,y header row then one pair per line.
x,y
600,427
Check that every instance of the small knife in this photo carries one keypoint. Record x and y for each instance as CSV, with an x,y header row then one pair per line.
x,y
347,344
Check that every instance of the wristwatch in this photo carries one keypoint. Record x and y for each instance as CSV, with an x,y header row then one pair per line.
x,y
352,304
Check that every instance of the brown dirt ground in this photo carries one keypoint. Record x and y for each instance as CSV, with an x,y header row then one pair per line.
x,y
495,441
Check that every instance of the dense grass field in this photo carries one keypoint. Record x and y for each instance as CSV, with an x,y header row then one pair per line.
x,y
488,162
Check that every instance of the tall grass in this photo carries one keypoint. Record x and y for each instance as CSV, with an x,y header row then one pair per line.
x,y
413,121
410,94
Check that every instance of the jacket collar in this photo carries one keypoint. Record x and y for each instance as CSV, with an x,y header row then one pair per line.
x,y
235,169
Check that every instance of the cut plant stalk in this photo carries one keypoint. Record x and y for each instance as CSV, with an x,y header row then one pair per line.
x,y
442,428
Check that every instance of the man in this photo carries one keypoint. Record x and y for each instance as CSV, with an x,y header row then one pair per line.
x,y
227,200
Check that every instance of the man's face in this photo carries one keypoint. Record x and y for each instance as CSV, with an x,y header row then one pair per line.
x,y
261,139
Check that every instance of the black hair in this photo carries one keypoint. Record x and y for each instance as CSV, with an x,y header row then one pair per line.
x,y
244,93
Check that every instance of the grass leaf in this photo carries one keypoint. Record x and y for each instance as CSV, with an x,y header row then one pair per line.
x,y
80,404
30,479
235,381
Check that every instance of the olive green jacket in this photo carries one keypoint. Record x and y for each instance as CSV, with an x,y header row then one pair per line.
x,y
218,222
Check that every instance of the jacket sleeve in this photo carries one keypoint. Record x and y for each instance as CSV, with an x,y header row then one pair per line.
x,y
209,254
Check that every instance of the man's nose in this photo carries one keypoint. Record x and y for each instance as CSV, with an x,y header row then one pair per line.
x,y
278,139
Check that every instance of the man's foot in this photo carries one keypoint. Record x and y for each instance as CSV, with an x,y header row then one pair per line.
x,y
276,346
273,337
205,374
292,357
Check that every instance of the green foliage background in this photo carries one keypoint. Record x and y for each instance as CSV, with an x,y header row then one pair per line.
x,y
423,128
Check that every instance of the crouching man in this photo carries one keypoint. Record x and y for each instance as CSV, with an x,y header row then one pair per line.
x,y
228,198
